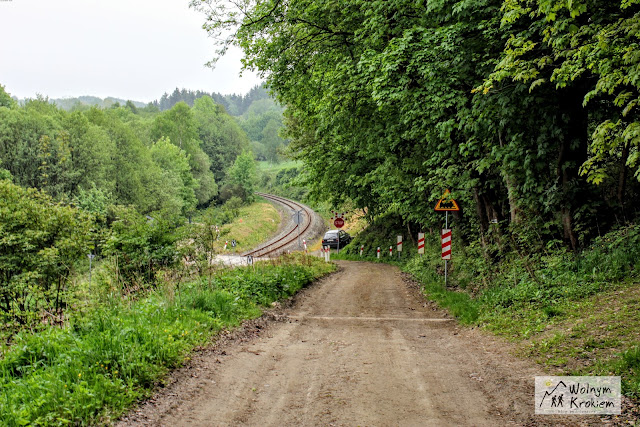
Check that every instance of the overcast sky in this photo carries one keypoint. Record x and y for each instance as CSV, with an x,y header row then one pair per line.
x,y
130,49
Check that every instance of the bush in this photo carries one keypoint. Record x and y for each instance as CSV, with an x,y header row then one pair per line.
x,y
140,244
41,242
114,354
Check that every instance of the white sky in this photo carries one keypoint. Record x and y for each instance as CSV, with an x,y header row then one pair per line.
x,y
130,49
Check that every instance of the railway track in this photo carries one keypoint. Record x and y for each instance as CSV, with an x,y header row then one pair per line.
x,y
289,235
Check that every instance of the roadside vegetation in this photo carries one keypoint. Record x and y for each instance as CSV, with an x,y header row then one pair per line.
x,y
526,111
284,179
110,223
114,349
80,346
575,313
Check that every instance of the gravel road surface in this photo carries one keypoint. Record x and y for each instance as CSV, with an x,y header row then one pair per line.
x,y
358,348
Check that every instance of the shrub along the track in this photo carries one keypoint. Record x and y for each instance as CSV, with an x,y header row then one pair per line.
x,y
113,354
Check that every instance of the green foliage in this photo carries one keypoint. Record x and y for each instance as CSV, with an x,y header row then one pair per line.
x,y
263,123
283,179
222,139
41,242
243,174
115,153
93,200
140,245
390,102
179,193
234,104
180,127
112,355
5,98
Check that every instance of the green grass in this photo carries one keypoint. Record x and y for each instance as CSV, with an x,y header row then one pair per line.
x,y
275,167
110,355
574,313
255,224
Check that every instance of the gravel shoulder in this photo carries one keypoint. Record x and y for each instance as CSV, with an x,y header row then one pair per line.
x,y
360,347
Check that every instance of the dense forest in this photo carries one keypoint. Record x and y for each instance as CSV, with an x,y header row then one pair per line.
x,y
257,112
173,160
527,110
170,161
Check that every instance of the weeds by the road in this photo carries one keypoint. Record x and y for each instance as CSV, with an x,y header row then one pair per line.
x,y
112,354
575,313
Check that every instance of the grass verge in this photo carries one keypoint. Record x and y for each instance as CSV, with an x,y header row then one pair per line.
x,y
107,357
576,314
255,224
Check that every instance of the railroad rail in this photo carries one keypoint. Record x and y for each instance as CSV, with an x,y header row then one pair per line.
x,y
289,235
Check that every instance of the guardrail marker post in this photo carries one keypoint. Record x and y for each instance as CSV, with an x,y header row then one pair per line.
x,y
378,251
361,250
390,250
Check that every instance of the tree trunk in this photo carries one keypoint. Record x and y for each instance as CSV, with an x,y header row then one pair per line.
x,y
511,190
484,224
573,153
622,177
513,205
411,234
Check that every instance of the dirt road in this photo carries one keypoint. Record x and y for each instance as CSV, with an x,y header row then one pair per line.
x,y
359,348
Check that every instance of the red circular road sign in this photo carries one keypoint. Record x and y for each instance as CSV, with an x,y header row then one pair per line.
x,y
338,222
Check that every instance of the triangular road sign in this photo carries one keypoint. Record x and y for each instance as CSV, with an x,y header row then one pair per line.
x,y
446,203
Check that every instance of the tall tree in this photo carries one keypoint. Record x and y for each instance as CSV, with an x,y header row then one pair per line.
x,y
222,139
243,175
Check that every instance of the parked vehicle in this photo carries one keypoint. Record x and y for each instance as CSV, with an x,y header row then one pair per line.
x,y
333,237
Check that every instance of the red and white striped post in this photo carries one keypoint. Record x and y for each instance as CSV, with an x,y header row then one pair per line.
x,y
304,243
378,251
361,249
446,250
446,204
390,250
421,243
446,243
226,242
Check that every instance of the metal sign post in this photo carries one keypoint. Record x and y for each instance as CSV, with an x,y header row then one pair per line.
x,y
298,218
446,204
338,222
446,227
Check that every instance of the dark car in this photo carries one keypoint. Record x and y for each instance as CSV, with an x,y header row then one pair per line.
x,y
331,238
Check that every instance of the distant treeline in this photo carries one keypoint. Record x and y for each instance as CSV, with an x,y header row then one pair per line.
x,y
88,101
236,105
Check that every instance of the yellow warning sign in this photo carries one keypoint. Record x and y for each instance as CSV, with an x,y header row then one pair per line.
x,y
446,203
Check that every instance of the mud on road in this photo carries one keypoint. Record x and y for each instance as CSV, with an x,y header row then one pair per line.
x,y
358,348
